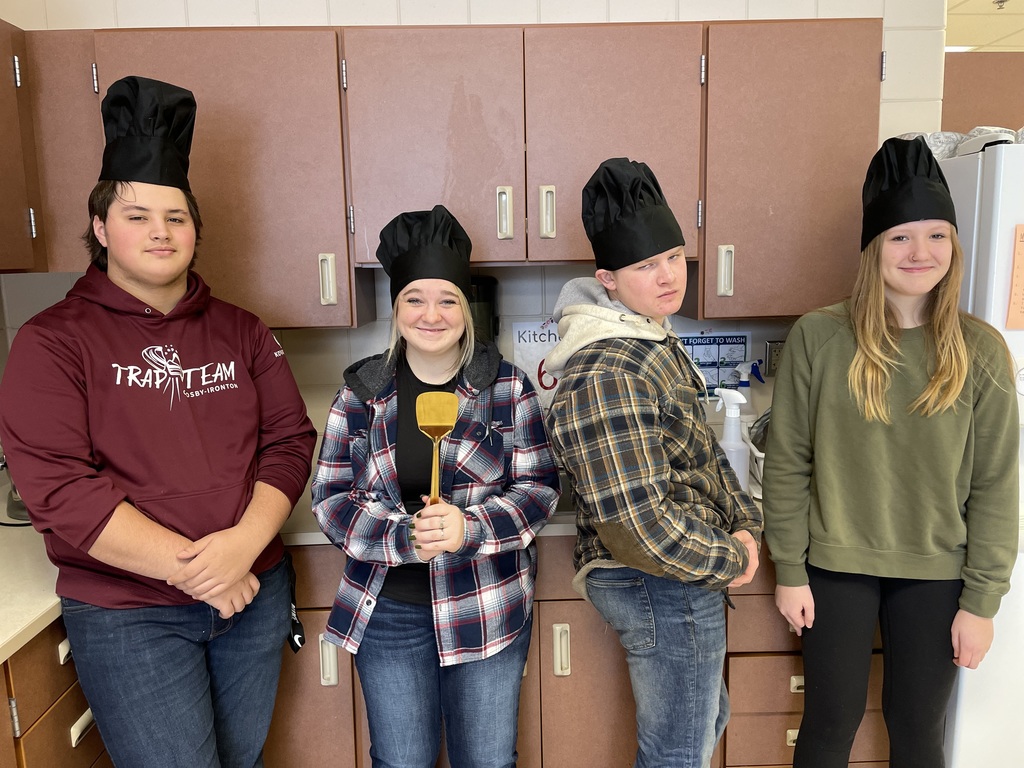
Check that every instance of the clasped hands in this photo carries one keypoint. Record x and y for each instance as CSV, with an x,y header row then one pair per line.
x,y
215,569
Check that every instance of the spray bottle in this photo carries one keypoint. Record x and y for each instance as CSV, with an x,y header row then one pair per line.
x,y
748,414
732,438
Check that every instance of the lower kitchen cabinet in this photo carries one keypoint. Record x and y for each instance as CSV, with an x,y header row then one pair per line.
x,y
7,756
588,716
765,680
312,722
313,718
318,724
51,720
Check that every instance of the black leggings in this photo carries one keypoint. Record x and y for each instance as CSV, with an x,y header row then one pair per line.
x,y
915,618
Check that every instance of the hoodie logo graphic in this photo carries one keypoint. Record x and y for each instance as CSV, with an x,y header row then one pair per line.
x,y
165,372
166,359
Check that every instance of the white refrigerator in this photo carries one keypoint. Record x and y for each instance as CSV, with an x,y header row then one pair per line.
x,y
984,727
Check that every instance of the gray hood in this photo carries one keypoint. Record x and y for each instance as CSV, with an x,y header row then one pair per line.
x,y
586,314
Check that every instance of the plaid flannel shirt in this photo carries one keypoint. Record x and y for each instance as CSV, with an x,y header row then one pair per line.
x,y
650,484
496,466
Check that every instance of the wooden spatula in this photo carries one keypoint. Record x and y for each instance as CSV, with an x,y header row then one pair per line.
x,y
436,414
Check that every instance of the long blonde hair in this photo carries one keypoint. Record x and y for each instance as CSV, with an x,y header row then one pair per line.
x,y
877,332
396,344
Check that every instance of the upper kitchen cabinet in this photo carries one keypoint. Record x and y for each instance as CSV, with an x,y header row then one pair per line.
x,y
792,121
65,109
610,90
435,115
266,162
15,222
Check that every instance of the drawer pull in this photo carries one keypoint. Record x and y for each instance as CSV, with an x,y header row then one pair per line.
x,y
328,663
81,727
64,651
547,212
791,734
505,228
561,656
796,684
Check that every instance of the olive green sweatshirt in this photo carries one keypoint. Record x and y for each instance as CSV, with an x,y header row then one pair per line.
x,y
922,498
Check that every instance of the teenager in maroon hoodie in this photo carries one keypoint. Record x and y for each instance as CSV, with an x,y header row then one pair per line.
x,y
159,441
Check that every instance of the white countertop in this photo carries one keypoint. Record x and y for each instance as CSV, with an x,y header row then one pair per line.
x,y
28,602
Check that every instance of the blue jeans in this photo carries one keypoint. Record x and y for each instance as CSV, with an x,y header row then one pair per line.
x,y
174,686
408,694
674,636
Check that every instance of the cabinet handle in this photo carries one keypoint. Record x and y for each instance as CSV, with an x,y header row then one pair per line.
x,y
791,734
796,684
505,208
81,727
328,279
547,211
726,257
561,650
64,651
328,663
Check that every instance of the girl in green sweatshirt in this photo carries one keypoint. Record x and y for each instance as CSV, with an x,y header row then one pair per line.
x,y
891,488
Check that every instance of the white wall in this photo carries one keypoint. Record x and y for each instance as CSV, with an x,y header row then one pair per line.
x,y
911,101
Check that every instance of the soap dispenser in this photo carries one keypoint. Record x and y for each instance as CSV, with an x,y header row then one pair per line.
x,y
732,443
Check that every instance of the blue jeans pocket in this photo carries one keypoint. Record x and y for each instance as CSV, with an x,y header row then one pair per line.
x,y
67,605
621,598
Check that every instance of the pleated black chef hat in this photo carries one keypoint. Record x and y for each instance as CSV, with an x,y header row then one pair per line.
x,y
425,244
148,126
625,215
904,183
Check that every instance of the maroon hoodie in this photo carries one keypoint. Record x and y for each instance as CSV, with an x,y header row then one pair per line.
x,y
105,399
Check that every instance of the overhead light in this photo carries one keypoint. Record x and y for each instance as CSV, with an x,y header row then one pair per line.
x,y
958,48
999,4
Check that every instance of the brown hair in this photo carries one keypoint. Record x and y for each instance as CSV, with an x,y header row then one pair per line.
x,y
102,197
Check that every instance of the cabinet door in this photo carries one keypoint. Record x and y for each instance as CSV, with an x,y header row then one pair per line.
x,y
14,217
266,162
68,137
576,734
792,121
435,115
313,721
40,672
596,92
7,758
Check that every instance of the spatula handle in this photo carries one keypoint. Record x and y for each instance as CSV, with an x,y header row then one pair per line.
x,y
435,479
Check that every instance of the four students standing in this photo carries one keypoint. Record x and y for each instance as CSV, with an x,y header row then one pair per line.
x,y
891,480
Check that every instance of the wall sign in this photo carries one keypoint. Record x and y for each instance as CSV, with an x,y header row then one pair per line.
x,y
717,356
531,343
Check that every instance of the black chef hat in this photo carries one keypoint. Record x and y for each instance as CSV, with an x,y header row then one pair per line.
x,y
904,183
625,215
425,244
148,126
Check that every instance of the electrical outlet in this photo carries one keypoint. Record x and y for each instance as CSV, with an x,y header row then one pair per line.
x,y
772,357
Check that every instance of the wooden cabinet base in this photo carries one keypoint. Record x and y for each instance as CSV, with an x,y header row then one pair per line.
x,y
313,718
767,740
51,741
